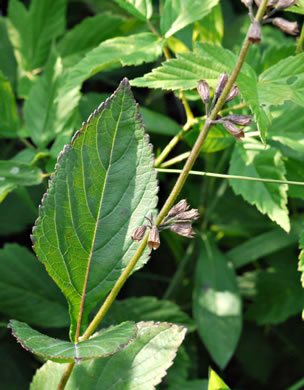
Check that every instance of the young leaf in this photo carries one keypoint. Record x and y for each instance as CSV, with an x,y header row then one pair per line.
x,y
104,343
139,366
279,292
8,110
141,9
251,159
27,292
103,187
217,304
215,382
44,20
177,14
147,309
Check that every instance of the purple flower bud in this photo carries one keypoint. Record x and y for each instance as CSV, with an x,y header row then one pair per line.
x,y
254,33
290,28
183,229
153,239
190,215
138,234
282,4
234,92
222,81
204,91
241,120
179,207
233,130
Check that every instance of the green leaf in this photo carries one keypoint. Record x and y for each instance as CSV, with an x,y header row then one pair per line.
x,y
251,159
210,28
147,309
13,173
298,8
116,52
200,384
8,63
218,138
279,292
104,343
283,81
139,366
103,187
217,304
32,31
207,63
141,9
177,14
8,110
27,292
265,244
215,382
88,34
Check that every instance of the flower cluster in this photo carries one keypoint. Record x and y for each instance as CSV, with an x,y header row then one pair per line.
x,y
179,220
230,122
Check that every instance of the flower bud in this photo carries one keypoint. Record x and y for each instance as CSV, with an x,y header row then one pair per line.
x,y
138,234
290,28
153,239
190,215
248,3
183,229
234,92
282,4
241,120
179,207
204,91
233,130
222,81
254,33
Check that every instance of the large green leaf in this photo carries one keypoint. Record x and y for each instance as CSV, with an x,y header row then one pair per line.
x,y
8,110
101,344
103,187
139,366
217,304
177,14
27,292
283,81
141,9
147,309
251,159
32,31
207,63
279,292
14,173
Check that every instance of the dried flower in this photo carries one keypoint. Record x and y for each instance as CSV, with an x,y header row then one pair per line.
x,y
234,92
204,91
254,33
233,130
153,239
241,120
190,215
282,4
290,28
183,229
179,207
248,3
221,82
138,234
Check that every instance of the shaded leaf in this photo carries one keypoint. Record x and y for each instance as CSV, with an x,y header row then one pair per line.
x,y
215,382
251,159
147,309
177,14
279,293
199,384
104,343
139,366
8,65
141,9
103,188
8,110
217,304
27,292
210,28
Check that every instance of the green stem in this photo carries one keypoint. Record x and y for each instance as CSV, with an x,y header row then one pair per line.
x,y
66,376
175,160
300,41
224,176
26,143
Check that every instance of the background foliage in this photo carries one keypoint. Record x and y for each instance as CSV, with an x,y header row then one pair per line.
x,y
236,286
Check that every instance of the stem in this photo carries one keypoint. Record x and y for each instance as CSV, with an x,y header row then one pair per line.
x,y
26,143
171,198
224,176
300,41
66,376
175,160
